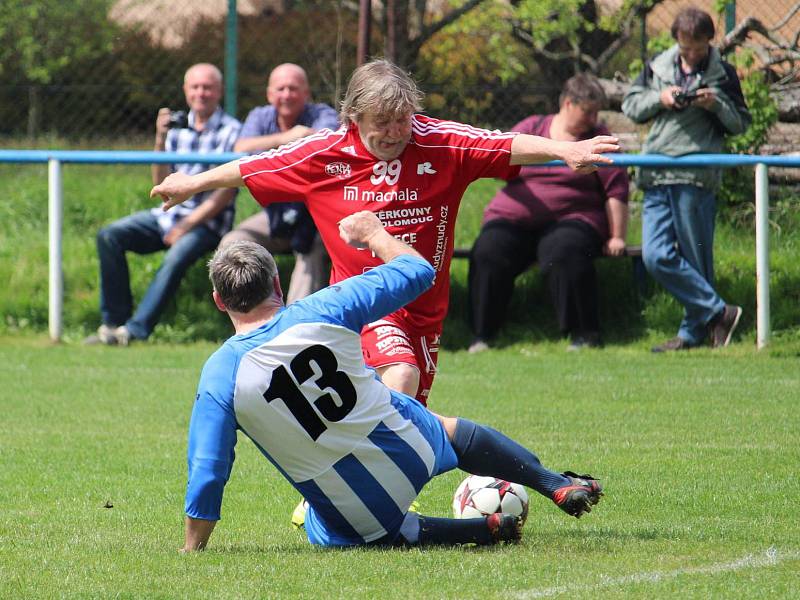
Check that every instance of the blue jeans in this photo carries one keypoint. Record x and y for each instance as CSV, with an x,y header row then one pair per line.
x,y
678,251
141,234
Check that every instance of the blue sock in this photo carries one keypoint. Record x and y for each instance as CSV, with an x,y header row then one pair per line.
x,y
438,531
482,450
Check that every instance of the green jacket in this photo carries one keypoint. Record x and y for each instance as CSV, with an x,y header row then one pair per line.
x,y
688,131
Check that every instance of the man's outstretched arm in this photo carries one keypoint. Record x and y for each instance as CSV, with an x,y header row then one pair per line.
x,y
179,187
580,156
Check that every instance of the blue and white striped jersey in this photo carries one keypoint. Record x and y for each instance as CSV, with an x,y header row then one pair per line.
x,y
299,388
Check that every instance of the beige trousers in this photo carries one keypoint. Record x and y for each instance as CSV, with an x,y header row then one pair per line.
x,y
311,271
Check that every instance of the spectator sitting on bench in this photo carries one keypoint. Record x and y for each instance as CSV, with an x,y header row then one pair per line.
x,y
286,226
557,217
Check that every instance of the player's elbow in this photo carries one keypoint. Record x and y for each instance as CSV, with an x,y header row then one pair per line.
x,y
425,275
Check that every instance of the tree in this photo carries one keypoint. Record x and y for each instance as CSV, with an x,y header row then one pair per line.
x,y
408,24
40,40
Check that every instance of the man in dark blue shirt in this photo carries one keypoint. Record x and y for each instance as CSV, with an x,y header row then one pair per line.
x,y
287,225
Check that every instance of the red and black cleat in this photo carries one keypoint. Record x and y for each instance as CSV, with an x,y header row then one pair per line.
x,y
504,527
579,496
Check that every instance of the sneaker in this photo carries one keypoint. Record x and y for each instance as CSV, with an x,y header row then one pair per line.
x,y
724,324
478,345
579,496
105,335
123,336
673,345
504,527
299,514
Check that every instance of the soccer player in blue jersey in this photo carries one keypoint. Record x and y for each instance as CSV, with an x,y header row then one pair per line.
x,y
294,381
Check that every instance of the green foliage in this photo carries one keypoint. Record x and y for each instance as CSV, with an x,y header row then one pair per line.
x,y
42,39
762,105
655,45
461,66
547,20
737,184
720,6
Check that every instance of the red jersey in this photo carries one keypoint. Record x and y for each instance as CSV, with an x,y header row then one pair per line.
x,y
416,196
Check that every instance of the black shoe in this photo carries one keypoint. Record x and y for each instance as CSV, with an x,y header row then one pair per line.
x,y
579,496
504,527
673,345
724,324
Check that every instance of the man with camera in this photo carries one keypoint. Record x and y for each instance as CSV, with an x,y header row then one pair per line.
x,y
694,99
186,231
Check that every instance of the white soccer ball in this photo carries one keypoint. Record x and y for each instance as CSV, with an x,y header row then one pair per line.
x,y
478,496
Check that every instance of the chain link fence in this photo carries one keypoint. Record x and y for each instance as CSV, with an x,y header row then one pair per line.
x,y
113,63
781,17
116,79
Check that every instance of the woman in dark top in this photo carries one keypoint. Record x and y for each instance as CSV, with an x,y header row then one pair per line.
x,y
556,217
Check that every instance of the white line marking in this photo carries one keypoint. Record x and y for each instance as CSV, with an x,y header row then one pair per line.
x,y
768,558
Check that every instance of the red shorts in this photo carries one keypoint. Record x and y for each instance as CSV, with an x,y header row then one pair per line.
x,y
388,342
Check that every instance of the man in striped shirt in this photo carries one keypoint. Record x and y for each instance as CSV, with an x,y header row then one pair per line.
x,y
411,171
187,231
294,381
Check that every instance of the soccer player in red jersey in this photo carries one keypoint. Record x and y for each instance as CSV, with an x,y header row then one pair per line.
x,y
411,171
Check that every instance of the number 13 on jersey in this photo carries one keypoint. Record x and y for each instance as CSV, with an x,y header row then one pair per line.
x,y
283,387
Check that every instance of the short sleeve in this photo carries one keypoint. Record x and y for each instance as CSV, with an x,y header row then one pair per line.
x,y
279,175
476,152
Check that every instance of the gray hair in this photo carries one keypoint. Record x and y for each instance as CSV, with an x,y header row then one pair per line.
x,y
242,273
583,88
382,88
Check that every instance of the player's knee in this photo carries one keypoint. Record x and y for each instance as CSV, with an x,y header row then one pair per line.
x,y
401,377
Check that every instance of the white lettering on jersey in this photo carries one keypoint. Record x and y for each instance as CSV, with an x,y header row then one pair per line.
x,y
388,172
338,169
352,193
408,238
425,169
441,239
405,216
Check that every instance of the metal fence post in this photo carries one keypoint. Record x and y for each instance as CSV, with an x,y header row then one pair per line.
x,y
55,212
730,16
231,53
762,256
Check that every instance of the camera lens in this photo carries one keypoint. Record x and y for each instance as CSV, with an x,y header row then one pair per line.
x,y
178,119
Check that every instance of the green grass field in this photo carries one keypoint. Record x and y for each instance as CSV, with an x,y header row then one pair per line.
x,y
698,453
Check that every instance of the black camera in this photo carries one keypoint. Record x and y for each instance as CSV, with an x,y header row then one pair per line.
x,y
178,119
684,98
